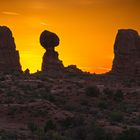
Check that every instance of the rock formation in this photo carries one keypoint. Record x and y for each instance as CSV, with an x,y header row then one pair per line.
x,y
51,61
73,69
9,57
127,53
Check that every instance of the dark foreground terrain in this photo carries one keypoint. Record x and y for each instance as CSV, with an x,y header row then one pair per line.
x,y
69,107
64,103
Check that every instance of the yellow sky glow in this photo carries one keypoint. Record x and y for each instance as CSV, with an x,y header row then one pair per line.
x,y
87,29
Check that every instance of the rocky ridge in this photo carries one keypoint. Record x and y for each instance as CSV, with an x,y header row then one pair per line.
x,y
72,105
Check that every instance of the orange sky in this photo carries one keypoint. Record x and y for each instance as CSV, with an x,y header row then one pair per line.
x,y
87,29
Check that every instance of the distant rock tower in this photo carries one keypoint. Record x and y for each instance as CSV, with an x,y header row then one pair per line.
x,y
9,57
127,53
51,61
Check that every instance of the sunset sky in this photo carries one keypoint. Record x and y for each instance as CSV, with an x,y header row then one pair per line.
x,y
87,29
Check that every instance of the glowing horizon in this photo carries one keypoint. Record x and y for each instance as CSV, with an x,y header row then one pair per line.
x,y
87,29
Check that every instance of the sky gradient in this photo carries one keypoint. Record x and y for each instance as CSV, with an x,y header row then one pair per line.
x,y
87,29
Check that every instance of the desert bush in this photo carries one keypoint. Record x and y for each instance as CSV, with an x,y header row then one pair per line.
x,y
16,73
78,120
88,132
49,97
100,134
2,78
135,93
122,106
116,116
108,92
92,91
6,135
67,122
13,111
38,112
70,106
97,133
80,133
10,93
129,134
119,95
32,127
40,134
138,119
54,135
50,125
42,93
8,100
70,122
103,104
84,102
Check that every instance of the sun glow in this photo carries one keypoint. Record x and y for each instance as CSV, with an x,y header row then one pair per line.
x,y
86,28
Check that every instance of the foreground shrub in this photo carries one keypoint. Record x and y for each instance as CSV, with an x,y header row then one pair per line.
x,y
67,122
70,122
98,133
108,92
116,117
138,120
49,126
103,104
54,135
6,135
92,91
49,97
118,96
129,134
80,133
32,127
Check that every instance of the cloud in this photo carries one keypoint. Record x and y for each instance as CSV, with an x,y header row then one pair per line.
x,y
45,24
86,2
10,13
90,2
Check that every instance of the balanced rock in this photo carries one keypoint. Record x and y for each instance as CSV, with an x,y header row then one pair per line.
x,y
127,53
51,60
9,57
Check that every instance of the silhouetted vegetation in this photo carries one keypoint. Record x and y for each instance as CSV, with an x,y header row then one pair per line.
x,y
50,125
92,91
55,135
119,95
103,104
32,127
116,116
99,133
129,134
108,92
70,122
6,135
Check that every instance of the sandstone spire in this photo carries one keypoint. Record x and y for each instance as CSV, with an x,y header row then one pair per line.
x,y
127,53
9,56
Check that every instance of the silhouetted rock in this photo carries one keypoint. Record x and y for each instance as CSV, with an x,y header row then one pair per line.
x,y
9,57
73,69
27,72
49,40
127,53
51,61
